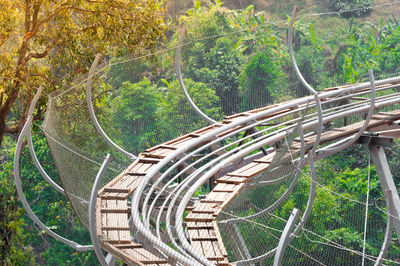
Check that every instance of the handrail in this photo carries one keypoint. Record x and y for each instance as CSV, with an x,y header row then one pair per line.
x,y
286,194
176,154
285,238
93,115
182,84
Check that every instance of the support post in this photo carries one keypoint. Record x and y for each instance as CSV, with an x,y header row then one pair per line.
x,y
386,180
237,242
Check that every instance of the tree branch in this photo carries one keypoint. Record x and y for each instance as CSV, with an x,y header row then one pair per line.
x,y
36,10
40,55
11,130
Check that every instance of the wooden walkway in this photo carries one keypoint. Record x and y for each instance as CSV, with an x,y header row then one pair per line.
x,y
113,211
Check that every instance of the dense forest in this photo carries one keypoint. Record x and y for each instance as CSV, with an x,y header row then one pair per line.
x,y
234,59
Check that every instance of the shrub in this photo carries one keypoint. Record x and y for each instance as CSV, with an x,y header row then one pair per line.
x,y
352,8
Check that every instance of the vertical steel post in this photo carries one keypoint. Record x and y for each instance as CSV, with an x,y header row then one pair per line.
x,y
386,180
237,242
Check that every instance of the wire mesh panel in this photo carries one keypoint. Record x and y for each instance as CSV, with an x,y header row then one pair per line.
x,y
223,192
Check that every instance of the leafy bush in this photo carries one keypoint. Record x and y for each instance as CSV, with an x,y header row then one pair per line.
x,y
347,7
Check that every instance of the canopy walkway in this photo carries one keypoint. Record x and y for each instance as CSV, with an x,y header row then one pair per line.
x,y
190,200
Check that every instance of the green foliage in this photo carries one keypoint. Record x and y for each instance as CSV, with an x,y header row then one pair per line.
x,y
259,79
176,113
12,249
133,114
218,65
145,114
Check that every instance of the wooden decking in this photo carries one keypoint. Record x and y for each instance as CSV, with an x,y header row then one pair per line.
x,y
112,211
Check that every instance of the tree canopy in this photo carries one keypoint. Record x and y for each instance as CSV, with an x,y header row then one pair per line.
x,y
45,41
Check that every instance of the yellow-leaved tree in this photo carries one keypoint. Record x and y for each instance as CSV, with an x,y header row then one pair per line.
x,y
45,41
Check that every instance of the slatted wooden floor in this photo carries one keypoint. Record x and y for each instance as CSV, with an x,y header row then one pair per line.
x,y
112,203
201,220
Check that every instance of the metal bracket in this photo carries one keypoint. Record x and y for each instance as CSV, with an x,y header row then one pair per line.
x,y
376,140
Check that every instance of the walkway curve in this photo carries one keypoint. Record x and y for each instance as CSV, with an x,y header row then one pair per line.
x,y
228,171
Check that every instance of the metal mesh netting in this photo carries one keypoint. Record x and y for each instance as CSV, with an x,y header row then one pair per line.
x,y
139,104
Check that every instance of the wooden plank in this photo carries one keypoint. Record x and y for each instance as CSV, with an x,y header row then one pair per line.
x,y
208,249
151,258
98,218
113,236
266,159
229,199
162,146
215,197
128,246
232,180
103,204
199,217
255,169
120,253
115,196
149,160
143,256
116,190
113,228
114,210
195,244
199,225
224,187
121,175
122,221
220,242
203,207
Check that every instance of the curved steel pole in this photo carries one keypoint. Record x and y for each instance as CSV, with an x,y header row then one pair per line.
x,y
179,76
389,228
93,115
305,83
311,198
32,150
18,185
292,185
303,220
285,238
92,210
366,123
141,187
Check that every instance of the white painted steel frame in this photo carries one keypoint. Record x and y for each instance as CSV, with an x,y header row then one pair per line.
x,y
18,185
92,210
329,93
32,149
182,83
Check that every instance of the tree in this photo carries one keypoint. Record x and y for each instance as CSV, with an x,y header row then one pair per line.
x,y
37,34
134,114
259,78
